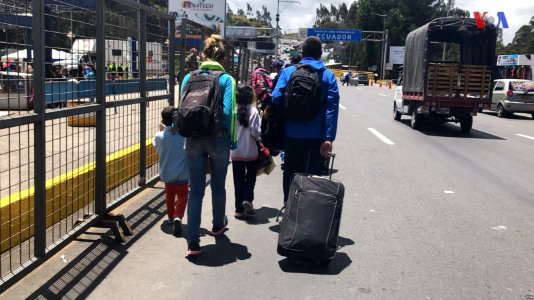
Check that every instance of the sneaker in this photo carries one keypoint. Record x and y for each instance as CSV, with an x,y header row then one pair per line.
x,y
193,248
216,230
249,208
239,215
170,221
177,229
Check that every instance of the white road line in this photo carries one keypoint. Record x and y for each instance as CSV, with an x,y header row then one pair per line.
x,y
359,89
382,95
342,107
525,136
381,136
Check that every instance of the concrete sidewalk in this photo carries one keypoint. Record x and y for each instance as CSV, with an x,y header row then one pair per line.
x,y
152,263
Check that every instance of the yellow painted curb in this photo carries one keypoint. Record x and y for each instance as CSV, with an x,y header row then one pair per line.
x,y
66,194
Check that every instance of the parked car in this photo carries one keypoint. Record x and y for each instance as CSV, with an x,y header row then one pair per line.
x,y
511,96
359,79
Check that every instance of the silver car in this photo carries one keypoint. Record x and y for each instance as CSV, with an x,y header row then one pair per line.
x,y
513,95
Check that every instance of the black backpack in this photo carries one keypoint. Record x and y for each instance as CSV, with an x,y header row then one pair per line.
x,y
201,108
303,97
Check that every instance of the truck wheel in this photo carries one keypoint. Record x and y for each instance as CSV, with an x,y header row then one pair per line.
x,y
466,124
501,113
396,114
415,123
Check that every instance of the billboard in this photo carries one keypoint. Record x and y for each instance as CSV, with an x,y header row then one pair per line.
x,y
210,13
396,55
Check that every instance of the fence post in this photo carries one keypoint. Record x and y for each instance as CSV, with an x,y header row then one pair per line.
x,y
39,134
171,63
143,94
183,36
100,165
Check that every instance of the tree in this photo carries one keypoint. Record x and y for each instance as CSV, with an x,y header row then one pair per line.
x,y
523,42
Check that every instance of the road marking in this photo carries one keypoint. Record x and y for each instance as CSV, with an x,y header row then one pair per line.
x,y
525,136
381,136
448,192
3,113
498,228
382,95
359,89
342,107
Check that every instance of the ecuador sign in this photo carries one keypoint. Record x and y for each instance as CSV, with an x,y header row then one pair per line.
x,y
339,35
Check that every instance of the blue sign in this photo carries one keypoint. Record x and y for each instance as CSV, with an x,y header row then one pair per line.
x,y
339,35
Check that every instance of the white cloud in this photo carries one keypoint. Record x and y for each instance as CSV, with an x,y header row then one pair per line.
x,y
294,16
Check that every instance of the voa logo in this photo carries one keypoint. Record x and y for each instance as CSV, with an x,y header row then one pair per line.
x,y
480,17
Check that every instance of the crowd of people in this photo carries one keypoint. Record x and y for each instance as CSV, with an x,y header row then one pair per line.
x,y
236,132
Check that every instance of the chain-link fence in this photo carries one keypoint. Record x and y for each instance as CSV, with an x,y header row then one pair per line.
x,y
82,85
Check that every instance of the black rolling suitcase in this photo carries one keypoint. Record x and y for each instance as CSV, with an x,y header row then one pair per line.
x,y
311,218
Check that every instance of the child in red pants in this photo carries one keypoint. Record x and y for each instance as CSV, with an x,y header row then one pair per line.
x,y
173,169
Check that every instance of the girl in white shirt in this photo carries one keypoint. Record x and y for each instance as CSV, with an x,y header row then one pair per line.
x,y
244,157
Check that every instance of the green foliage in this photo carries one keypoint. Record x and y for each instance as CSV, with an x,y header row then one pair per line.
x,y
262,19
523,42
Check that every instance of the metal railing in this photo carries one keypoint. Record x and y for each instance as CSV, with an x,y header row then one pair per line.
x,y
80,101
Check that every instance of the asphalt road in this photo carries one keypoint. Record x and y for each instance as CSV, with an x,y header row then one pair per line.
x,y
430,214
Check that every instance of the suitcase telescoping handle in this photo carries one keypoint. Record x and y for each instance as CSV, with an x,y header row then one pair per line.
x,y
333,156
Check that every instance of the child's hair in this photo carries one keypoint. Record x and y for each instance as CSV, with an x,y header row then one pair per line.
x,y
244,97
166,115
214,48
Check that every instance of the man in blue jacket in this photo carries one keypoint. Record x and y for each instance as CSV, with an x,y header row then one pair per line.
x,y
307,144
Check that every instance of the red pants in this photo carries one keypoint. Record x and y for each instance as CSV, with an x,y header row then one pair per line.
x,y
176,209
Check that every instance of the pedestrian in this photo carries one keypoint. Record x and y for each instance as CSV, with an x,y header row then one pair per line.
x,y
244,157
192,61
214,149
276,70
173,169
309,133
262,85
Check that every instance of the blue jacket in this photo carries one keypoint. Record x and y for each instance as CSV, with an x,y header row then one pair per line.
x,y
324,126
170,146
228,87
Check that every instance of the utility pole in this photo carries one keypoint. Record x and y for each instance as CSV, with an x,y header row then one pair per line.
x,y
384,46
278,27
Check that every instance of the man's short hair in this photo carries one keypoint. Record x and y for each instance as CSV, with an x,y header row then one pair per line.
x,y
312,47
166,115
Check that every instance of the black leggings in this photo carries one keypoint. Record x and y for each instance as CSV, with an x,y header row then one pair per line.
x,y
244,182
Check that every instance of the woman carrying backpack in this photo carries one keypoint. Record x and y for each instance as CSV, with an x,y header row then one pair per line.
x,y
244,164
214,149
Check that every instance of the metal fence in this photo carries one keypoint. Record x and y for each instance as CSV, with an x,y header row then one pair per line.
x,y
80,99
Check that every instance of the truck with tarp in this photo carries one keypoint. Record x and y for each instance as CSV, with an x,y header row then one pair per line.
x,y
448,72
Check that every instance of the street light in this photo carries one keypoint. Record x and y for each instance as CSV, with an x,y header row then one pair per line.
x,y
384,46
277,27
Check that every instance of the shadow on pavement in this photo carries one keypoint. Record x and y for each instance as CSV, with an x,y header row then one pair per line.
x,y
511,116
448,130
88,269
338,264
222,253
262,216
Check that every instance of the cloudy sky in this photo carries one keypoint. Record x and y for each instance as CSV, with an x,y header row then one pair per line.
x,y
294,16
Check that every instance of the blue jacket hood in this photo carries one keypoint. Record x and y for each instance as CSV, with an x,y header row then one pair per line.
x,y
316,64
